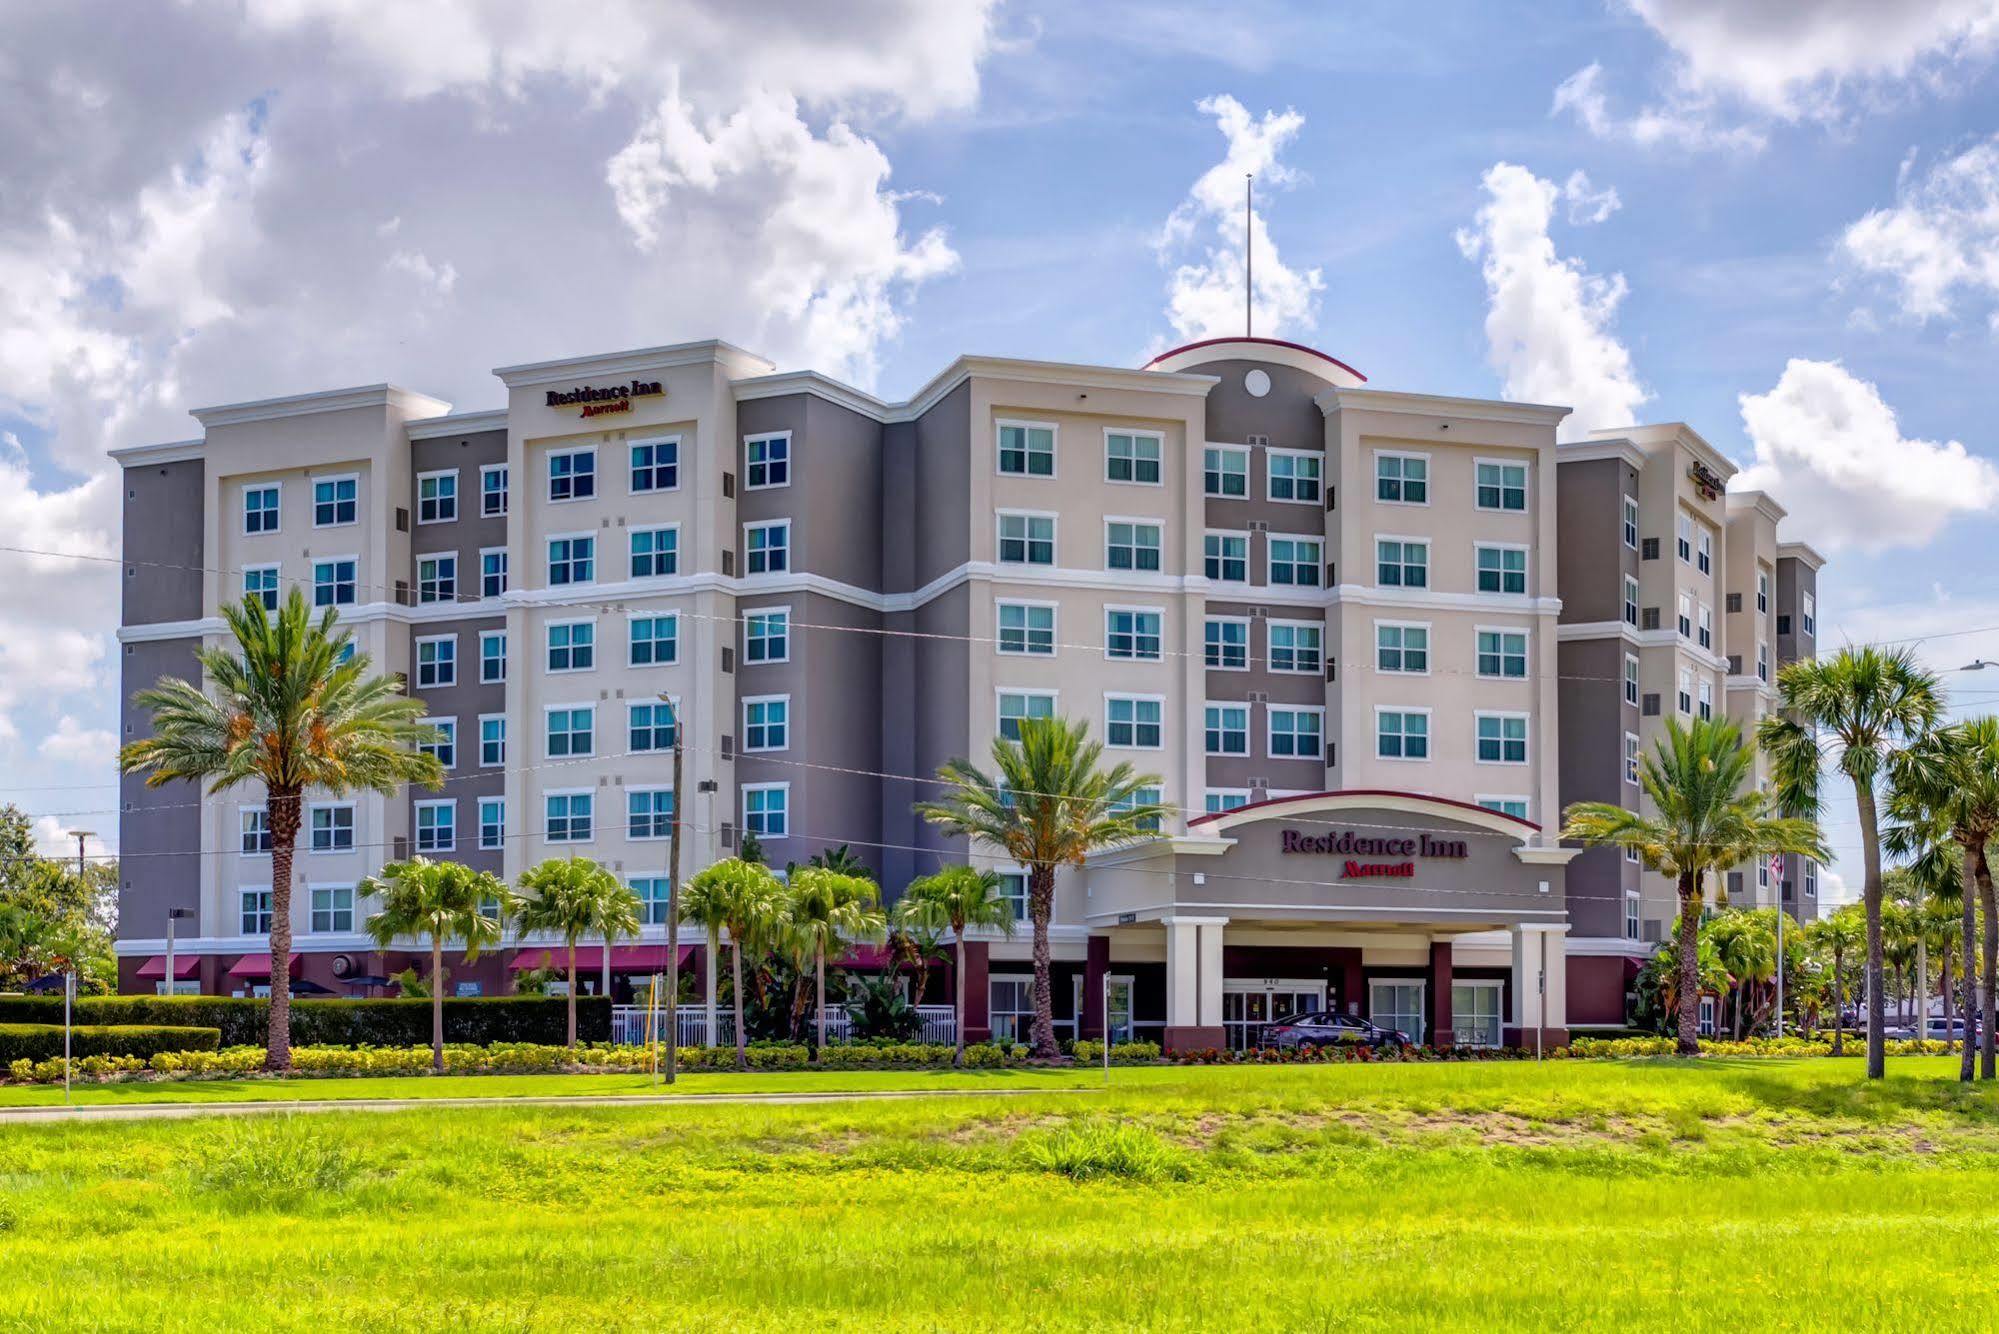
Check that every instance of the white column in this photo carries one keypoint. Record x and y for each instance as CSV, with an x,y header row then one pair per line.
x,y
1210,1006
1540,976
1182,972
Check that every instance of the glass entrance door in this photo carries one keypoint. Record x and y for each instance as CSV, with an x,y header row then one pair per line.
x,y
1251,1005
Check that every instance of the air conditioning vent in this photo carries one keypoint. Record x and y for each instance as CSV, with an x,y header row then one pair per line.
x,y
728,564
1735,664
402,519
1259,789
1259,442
728,751
1259,526
1329,498
1259,697
1650,708
1735,884
728,486
399,846
1783,625
728,835
1655,930
728,659
1734,601
1648,548
1332,671
403,598
1257,613
1332,577
1332,754
1649,618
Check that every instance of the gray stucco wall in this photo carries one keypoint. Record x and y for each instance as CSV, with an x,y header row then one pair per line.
x,y
1279,688
163,523
922,728
834,500
936,522
468,780
470,531
160,828
1286,414
1594,721
1592,560
1794,580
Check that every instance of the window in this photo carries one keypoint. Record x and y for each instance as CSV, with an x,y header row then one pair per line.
x,y
260,509
1294,477
1402,479
1297,733
649,812
568,817
1401,562
261,582
1401,648
1631,758
1686,691
1225,557
651,892
1131,545
1631,523
572,560
767,635
1762,590
1762,873
1683,537
655,465
572,474
332,907
1502,486
1227,728
335,501
1027,539
1704,553
1010,1007
652,641
1503,653
655,551
1136,722
1501,569
1811,879
1707,699
1402,734
1476,1018
492,823
1026,450
1762,661
492,739
767,722
1225,472
1630,679
256,830
256,916
1221,799
1142,796
1502,738
1295,646
437,578
1027,627
1630,600
333,582
767,461
436,826
437,496
1704,619
436,662
1295,561
572,646
1015,705
1686,619
492,657
767,809
493,490
1131,456
572,731
1227,643
1132,634
1397,1005
767,546
492,572
1809,605
1513,806
445,747
649,727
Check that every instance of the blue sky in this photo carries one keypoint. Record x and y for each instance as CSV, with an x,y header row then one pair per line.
x,y
1796,203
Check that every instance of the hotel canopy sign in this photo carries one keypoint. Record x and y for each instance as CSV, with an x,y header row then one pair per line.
x,y
1404,852
600,399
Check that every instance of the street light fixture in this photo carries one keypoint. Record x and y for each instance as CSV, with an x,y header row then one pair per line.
x,y
1977,665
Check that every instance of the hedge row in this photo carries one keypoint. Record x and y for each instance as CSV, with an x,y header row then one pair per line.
x,y
1612,1048
336,1023
42,1042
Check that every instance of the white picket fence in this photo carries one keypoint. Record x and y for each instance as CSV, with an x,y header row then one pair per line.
x,y
628,1025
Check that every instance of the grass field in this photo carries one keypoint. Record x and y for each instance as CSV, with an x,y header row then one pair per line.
x,y
1587,1195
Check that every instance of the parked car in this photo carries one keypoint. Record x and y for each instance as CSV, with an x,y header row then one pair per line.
x,y
1327,1028
1939,1030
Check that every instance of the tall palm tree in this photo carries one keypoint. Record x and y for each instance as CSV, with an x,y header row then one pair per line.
x,y
1048,804
574,897
956,898
1854,710
287,711
829,908
746,900
438,900
1840,934
1706,823
1745,940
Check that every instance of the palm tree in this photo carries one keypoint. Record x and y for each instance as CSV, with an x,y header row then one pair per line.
x,y
1853,709
1745,941
1663,974
746,900
841,859
1048,805
1705,823
1839,934
957,898
289,711
828,908
575,897
440,900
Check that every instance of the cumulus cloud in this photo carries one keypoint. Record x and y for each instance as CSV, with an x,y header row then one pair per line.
x,y
1681,120
1548,320
79,747
1940,241
1587,204
1830,447
1205,293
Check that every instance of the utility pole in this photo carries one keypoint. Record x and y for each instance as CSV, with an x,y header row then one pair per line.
x,y
673,908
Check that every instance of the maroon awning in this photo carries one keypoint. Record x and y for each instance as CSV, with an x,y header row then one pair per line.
x,y
254,965
590,958
185,966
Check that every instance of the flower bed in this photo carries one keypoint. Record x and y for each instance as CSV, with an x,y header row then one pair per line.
x,y
1612,1048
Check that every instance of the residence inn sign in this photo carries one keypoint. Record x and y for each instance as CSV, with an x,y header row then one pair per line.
x,y
1354,846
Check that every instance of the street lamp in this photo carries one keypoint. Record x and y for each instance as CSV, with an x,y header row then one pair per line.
x,y
1977,665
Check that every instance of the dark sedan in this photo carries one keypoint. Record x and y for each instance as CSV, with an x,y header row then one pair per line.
x,y
1329,1029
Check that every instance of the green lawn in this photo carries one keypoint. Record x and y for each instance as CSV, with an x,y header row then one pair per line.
x,y
1740,1195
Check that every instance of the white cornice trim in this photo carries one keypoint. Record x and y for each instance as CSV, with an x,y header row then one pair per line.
x,y
787,383
159,631
531,373
1049,372
326,400
1173,844
1673,433
1662,638
1801,551
171,451
1439,405
1761,501
1610,947
1583,630
1597,450
457,423
365,613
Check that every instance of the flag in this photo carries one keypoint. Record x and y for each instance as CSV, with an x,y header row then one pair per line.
x,y
1777,868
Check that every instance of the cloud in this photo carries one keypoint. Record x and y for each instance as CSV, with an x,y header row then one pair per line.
x,y
1681,121
1587,204
1205,294
1940,241
1548,321
79,747
1829,446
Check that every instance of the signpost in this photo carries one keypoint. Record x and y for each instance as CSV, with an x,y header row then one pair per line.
x,y
673,908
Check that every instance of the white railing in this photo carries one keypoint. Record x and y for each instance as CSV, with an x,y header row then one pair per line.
x,y
629,1025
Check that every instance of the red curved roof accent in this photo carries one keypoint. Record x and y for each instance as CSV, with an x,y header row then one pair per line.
x,y
1273,342
1367,792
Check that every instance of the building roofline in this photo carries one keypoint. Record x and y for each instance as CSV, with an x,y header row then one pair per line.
x,y
1803,551
1202,345
1678,433
820,385
456,423
1476,409
167,451
665,357
1761,501
1270,804
1594,451
324,400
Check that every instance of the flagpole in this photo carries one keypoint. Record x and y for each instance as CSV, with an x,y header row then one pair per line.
x,y
1778,866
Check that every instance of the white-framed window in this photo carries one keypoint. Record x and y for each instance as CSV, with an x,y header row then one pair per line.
x,y
492,739
1026,449
1402,562
1686,700
1631,758
1686,618
1811,879
767,635
1132,544
653,640
330,826
1294,475
1706,698
261,507
437,577
437,496
1502,737
1227,643
569,816
1502,654
436,661
492,572
332,908
493,490
1225,557
1401,479
766,722
1015,705
1513,806
655,551
767,461
1683,537
261,582
1502,486
1135,722
1297,646
1010,1005
1218,800
1134,634
1295,561
1630,600
1631,678
1143,796
1402,646
649,726
1809,607
1762,661
334,581
492,657
1762,873
1396,1003
1026,538
1225,472
1133,456
572,559
1704,625
571,731
255,827
336,501
437,825
1705,1027
255,911
1631,523
1295,732
767,546
572,473
1762,590
1501,568
1402,734
445,747
648,812
1025,628
572,646
767,809
655,465
492,823
1704,552
652,892
1226,728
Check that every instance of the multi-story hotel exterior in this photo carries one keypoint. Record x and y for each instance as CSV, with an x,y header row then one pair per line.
x,y
1370,641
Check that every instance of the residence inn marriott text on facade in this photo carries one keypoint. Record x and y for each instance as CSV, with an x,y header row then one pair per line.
x,y
1371,641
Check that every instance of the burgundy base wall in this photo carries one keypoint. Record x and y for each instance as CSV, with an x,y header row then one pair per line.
x,y
1596,989
1194,1037
1551,1038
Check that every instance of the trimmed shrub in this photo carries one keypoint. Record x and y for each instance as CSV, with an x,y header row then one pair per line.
x,y
1612,1048
43,1042
340,1023
1090,1052
1091,1149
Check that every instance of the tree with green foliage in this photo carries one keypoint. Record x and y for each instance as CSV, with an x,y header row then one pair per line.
x,y
842,859
957,899
291,712
573,897
746,900
1745,941
1660,982
1840,934
438,901
829,909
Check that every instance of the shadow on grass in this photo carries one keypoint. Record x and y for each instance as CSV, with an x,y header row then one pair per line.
x,y
1895,1098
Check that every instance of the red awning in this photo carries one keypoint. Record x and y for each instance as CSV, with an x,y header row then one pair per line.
x,y
590,958
255,965
185,966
